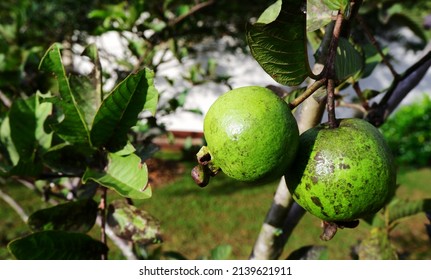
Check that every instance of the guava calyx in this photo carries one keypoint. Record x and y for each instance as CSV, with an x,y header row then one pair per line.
x,y
330,228
205,169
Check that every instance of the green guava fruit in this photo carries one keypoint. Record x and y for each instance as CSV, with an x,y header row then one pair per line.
x,y
251,134
342,174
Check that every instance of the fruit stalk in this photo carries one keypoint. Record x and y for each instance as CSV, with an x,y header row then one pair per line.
x,y
330,71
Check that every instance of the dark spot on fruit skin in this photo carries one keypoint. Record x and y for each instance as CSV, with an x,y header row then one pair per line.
x,y
337,209
314,179
324,213
316,201
308,187
332,167
343,166
319,157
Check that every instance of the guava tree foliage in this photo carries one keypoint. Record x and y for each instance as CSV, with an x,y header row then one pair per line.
x,y
76,131
67,139
346,52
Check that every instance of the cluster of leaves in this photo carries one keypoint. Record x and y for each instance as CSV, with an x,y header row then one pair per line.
x,y
27,29
76,131
408,135
377,245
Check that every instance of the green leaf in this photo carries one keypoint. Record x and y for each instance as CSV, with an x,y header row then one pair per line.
x,y
318,15
67,159
96,74
336,4
377,246
57,245
404,21
23,135
172,255
76,216
271,13
372,59
87,96
126,175
6,139
370,93
309,253
133,224
88,89
26,118
73,128
348,60
402,209
280,46
119,111
221,252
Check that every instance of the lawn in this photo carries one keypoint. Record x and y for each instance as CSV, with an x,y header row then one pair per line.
x,y
195,220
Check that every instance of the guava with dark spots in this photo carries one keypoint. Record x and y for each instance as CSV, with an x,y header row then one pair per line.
x,y
342,174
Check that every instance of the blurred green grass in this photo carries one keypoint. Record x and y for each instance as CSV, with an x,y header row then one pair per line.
x,y
195,220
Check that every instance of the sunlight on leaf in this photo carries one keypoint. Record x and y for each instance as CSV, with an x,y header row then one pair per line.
x,y
120,109
73,127
126,175
280,46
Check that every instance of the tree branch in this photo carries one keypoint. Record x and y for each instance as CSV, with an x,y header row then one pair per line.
x,y
102,208
5,100
374,42
121,244
14,205
309,91
193,10
398,90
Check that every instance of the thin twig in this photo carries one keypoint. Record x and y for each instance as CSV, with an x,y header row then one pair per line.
x,y
193,10
14,205
5,100
309,91
121,244
355,106
374,42
360,95
102,208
